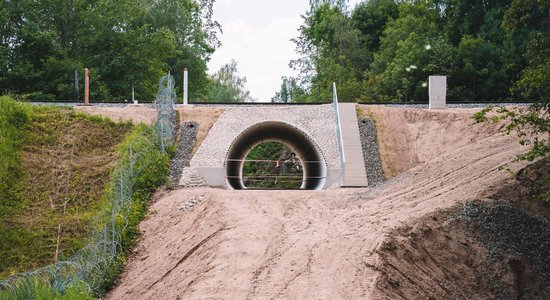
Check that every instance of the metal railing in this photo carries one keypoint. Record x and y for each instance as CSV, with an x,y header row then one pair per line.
x,y
338,129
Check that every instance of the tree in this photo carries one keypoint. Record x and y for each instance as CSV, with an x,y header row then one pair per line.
x,y
332,51
531,19
285,94
124,43
385,50
370,19
228,86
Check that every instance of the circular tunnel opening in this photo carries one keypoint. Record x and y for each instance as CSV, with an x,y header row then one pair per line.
x,y
305,150
272,165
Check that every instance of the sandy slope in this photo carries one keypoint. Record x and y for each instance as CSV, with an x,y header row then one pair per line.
x,y
296,244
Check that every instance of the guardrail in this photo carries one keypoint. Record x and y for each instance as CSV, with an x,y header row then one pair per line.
x,y
338,129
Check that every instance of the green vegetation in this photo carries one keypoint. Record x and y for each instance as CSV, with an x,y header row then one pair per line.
x,y
272,165
39,290
64,197
384,50
227,86
532,125
150,167
122,42
13,121
55,166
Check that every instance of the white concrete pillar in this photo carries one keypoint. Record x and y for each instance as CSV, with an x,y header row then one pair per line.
x,y
86,87
185,86
438,92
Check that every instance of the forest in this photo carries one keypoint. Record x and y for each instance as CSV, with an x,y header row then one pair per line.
x,y
384,50
378,50
126,44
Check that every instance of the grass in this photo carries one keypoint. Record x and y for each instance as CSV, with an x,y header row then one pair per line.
x,y
37,289
151,171
13,122
54,169
59,173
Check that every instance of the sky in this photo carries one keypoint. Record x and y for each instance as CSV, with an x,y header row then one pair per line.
x,y
257,35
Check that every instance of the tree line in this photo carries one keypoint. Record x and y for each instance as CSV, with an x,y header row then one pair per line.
x,y
124,44
384,50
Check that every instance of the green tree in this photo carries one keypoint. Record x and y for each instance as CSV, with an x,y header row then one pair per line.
x,y
370,19
385,50
479,75
530,19
124,43
332,51
226,85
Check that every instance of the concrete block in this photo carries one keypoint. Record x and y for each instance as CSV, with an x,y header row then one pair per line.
x,y
438,92
213,176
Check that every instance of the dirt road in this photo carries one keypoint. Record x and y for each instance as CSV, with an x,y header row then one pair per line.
x,y
298,244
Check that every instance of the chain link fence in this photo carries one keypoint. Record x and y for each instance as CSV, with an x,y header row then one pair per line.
x,y
91,266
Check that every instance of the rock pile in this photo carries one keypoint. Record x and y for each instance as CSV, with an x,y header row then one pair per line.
x,y
190,177
373,164
512,232
187,140
191,203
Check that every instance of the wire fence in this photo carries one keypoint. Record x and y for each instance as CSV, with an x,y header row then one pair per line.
x,y
166,113
90,265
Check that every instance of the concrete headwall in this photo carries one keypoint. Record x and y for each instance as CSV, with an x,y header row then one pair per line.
x,y
317,121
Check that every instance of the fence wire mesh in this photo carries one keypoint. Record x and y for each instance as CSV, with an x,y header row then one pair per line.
x,y
92,263
166,112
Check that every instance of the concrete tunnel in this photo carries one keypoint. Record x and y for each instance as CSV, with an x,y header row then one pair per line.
x,y
313,163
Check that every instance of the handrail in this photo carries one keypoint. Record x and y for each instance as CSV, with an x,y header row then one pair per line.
x,y
338,128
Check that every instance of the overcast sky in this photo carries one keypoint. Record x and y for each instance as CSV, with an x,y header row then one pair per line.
x,y
257,35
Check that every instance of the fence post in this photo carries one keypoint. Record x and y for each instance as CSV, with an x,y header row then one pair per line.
x,y
185,86
86,87
75,85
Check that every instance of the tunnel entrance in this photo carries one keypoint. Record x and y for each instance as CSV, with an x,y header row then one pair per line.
x,y
313,165
272,165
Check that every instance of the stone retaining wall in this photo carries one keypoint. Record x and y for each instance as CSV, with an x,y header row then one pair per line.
x,y
316,121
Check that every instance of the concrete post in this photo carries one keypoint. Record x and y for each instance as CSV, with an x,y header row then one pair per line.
x,y
438,92
185,86
86,87
75,85
134,95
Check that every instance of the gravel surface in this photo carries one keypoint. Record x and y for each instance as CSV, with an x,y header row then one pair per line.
x,y
373,165
464,105
511,231
185,150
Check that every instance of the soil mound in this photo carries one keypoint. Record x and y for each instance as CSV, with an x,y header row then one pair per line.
x,y
481,250
337,244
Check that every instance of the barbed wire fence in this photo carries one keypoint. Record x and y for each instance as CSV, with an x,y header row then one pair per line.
x,y
91,264
166,113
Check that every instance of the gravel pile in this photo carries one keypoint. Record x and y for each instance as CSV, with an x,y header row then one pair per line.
x,y
509,230
181,160
191,177
196,200
373,164
462,105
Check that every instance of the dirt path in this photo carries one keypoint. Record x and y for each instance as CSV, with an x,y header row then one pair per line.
x,y
294,244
